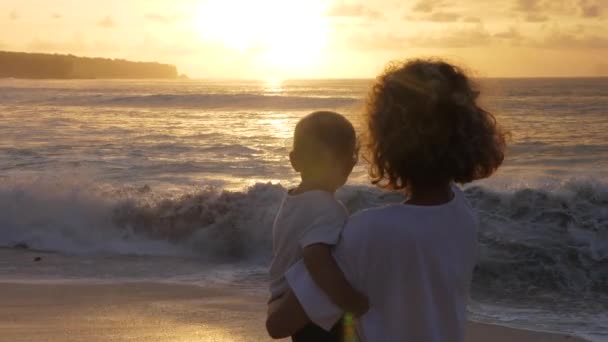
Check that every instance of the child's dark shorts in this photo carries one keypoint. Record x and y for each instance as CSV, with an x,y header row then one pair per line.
x,y
314,333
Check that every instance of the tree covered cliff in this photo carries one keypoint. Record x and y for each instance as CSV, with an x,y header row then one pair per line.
x,y
41,66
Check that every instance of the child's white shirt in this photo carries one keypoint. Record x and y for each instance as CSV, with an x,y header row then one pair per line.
x,y
305,219
414,263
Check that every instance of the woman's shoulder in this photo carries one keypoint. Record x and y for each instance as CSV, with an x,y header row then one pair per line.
x,y
399,213
376,215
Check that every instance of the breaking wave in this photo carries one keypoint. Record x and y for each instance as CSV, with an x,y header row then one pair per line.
x,y
531,239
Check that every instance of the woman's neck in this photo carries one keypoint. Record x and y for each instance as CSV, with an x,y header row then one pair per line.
x,y
428,195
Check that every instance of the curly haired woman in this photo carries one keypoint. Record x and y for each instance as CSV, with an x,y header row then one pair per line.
x,y
414,260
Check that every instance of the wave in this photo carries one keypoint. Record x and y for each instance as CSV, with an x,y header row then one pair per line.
x,y
531,239
82,218
535,148
535,240
207,101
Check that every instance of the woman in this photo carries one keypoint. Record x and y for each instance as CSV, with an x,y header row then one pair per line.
x,y
414,260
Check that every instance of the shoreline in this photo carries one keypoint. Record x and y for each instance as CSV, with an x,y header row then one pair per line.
x,y
151,312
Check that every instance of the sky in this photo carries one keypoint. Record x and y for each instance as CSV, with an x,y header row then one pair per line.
x,y
272,39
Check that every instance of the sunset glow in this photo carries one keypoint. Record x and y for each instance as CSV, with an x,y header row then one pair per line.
x,y
255,170
318,39
278,34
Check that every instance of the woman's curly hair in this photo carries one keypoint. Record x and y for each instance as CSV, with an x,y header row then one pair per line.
x,y
425,126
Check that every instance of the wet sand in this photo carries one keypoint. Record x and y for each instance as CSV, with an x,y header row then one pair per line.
x,y
150,312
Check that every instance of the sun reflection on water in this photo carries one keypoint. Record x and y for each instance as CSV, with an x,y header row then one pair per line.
x,y
273,85
280,126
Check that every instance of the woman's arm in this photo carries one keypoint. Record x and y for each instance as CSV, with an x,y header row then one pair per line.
x,y
326,273
285,316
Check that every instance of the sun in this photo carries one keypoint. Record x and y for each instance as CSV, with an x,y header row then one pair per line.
x,y
283,35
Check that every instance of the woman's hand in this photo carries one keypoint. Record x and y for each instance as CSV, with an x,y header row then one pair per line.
x,y
359,305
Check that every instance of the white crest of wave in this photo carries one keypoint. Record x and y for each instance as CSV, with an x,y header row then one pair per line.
x,y
76,216
530,238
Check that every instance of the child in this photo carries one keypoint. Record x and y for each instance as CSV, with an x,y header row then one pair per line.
x,y
414,260
310,219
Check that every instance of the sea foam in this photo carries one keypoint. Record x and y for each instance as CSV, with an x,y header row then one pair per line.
x,y
531,239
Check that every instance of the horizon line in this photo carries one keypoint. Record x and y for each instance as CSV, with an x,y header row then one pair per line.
x,y
268,80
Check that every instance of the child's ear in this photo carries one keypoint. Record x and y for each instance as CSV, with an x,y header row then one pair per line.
x,y
294,161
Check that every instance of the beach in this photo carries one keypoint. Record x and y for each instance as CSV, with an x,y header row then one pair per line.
x,y
173,186
146,148
159,312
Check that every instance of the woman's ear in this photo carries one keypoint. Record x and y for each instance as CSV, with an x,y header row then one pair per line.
x,y
293,158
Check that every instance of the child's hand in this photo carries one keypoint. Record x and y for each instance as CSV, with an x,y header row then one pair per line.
x,y
359,305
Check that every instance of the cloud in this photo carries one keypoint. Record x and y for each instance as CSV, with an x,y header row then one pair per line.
x,y
354,10
437,17
453,38
426,6
477,36
459,38
512,33
590,9
443,17
539,10
471,20
535,18
13,15
565,40
56,16
107,22
532,10
528,5
378,42
432,10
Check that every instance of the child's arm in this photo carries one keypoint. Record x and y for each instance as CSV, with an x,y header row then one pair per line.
x,y
329,277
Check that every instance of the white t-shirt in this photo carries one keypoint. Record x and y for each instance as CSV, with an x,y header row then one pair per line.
x,y
304,219
414,263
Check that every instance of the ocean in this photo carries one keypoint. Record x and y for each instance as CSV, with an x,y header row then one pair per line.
x,y
179,181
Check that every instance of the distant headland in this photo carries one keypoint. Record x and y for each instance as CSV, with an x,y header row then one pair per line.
x,y
55,66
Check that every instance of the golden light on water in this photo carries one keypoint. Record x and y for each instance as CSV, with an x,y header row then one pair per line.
x,y
274,85
279,125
